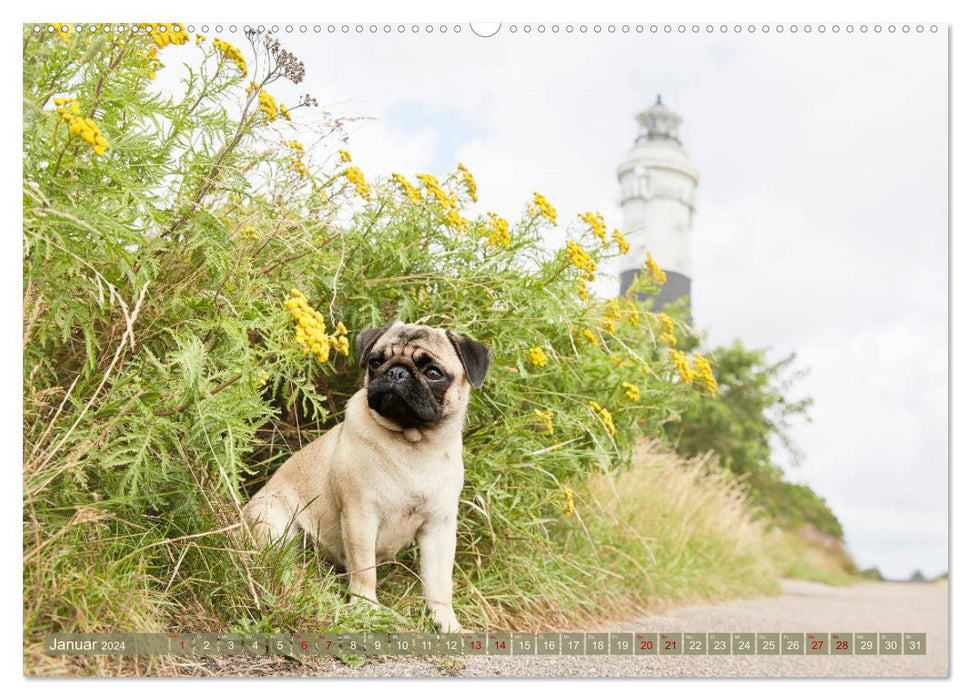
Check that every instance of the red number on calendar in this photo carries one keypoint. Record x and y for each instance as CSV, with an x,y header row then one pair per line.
x,y
670,644
303,646
500,644
842,645
817,644
328,644
476,644
646,645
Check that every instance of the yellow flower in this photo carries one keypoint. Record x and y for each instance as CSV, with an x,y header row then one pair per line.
x,y
540,206
356,178
232,53
496,232
568,505
605,417
597,226
581,260
200,38
655,271
285,113
705,376
588,334
268,106
407,189
70,111
65,36
345,156
546,418
169,36
633,317
681,362
469,183
250,234
622,243
538,357
261,379
633,393
300,167
311,333
668,335
582,290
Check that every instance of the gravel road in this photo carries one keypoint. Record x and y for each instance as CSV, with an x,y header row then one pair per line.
x,y
803,607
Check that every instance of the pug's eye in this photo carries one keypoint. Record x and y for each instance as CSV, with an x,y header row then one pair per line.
x,y
375,362
434,373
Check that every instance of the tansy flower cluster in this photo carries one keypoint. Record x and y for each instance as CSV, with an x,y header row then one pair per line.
x,y
261,379
63,32
541,207
613,313
85,127
345,156
588,334
268,106
297,163
633,393
447,202
668,323
200,38
704,375
597,226
538,357
311,332
581,260
655,271
622,243
604,415
285,113
633,317
469,183
169,36
496,232
232,53
356,178
568,505
546,418
407,189
681,362
250,234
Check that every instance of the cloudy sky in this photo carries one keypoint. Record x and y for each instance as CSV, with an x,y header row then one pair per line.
x,y
822,209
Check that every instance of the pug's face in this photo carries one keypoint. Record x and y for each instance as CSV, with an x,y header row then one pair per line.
x,y
419,377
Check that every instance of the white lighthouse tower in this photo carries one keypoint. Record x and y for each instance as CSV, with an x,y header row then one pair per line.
x,y
657,186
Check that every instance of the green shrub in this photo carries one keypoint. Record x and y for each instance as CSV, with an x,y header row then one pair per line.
x,y
163,379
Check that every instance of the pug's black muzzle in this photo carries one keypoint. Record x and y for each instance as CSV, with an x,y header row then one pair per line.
x,y
398,396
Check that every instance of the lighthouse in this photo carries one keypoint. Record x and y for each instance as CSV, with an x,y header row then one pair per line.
x,y
657,201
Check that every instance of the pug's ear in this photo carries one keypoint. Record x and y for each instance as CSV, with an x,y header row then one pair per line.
x,y
475,356
365,341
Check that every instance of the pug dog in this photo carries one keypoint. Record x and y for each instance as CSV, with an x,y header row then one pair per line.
x,y
389,473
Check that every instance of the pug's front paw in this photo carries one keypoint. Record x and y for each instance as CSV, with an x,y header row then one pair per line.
x,y
444,619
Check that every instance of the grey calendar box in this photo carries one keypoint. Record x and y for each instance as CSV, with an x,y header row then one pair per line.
x,y
500,643
426,644
151,643
865,643
840,643
719,643
353,643
891,643
597,643
281,644
524,643
671,643
328,643
548,644
206,645
743,643
768,643
817,643
304,645
377,643
475,643
401,644
230,644
622,643
645,643
255,644
182,644
695,643
915,643
571,643
793,643
451,644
